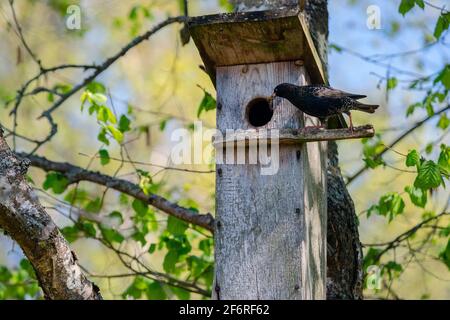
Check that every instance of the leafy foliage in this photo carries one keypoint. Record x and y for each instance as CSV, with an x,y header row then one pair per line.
x,y
208,103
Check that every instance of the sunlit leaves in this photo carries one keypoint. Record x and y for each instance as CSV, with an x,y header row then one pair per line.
x,y
102,137
391,83
412,159
407,5
124,124
56,182
444,160
19,283
116,133
142,287
390,205
442,24
444,121
392,269
111,235
445,255
429,176
371,257
176,226
371,151
208,103
94,95
104,157
444,76
136,17
417,196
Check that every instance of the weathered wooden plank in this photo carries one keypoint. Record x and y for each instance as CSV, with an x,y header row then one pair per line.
x,y
271,229
293,136
255,37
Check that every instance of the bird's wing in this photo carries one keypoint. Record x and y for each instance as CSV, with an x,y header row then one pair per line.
x,y
328,92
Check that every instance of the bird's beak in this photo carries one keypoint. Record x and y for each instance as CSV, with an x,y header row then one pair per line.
x,y
272,97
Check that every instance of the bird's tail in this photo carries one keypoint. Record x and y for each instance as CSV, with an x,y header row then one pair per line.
x,y
369,108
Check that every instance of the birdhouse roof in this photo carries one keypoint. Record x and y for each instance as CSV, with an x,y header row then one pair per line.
x,y
238,38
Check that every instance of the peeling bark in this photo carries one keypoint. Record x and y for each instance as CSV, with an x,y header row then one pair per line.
x,y
24,219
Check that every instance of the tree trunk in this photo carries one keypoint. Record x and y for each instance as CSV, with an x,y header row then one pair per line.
x,y
24,219
344,251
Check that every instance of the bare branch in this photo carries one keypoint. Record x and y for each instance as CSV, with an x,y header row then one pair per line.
x,y
75,174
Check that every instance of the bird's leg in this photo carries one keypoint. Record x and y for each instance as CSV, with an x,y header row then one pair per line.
x,y
350,118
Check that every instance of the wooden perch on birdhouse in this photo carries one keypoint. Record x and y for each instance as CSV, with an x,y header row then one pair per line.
x,y
293,136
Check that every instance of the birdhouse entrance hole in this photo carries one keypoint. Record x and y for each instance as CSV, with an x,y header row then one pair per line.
x,y
259,112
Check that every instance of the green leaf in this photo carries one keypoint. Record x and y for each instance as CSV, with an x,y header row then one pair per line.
x,y
390,205
98,98
420,3
104,157
71,233
56,182
124,123
206,245
117,135
94,206
88,228
140,237
411,108
176,226
444,159
133,13
170,261
371,257
162,124
181,293
102,137
152,248
111,235
442,24
208,103
96,87
104,114
335,47
139,207
445,255
155,291
429,176
444,76
226,4
417,196
443,122
391,83
413,158
117,215
405,6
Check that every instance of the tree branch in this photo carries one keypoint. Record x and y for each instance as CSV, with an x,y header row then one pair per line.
x,y
26,221
76,174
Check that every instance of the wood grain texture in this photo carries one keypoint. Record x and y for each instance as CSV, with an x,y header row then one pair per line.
x,y
270,229
255,37
294,136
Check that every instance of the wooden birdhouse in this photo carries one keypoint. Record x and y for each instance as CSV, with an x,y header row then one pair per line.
x,y
270,235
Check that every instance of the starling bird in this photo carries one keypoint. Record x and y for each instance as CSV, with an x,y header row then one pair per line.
x,y
321,101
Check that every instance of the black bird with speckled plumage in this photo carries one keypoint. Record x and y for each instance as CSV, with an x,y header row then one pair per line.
x,y
322,101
